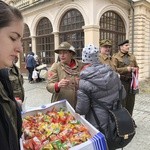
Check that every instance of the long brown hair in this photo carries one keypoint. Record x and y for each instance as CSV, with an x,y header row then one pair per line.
x,y
8,14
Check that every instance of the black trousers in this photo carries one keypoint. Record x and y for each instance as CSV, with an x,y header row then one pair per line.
x,y
129,101
30,71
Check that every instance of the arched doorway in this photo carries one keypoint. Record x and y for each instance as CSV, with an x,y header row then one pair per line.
x,y
45,41
26,47
112,27
71,30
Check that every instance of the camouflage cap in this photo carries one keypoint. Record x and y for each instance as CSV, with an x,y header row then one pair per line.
x,y
105,43
65,46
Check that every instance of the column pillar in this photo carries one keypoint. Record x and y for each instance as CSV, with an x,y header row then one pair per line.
x,y
56,39
91,34
33,44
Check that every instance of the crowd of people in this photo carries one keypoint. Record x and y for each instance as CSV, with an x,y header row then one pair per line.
x,y
77,81
64,76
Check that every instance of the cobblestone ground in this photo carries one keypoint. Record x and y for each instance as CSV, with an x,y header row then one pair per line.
x,y
141,115
37,95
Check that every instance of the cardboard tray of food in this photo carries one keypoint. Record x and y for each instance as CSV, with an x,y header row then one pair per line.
x,y
97,140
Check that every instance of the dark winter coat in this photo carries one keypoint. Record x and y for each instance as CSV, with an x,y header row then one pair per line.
x,y
30,62
10,116
98,82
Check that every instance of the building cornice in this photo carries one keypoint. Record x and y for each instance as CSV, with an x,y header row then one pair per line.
x,y
123,3
143,3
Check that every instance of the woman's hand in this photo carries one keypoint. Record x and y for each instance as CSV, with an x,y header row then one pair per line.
x,y
63,83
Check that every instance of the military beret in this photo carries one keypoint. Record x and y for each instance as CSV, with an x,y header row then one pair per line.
x,y
105,43
123,42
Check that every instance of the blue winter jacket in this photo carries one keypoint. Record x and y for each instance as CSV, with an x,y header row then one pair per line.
x,y
30,62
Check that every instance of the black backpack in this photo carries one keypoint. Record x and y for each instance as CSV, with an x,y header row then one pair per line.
x,y
121,126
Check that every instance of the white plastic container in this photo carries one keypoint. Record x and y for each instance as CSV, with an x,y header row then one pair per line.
x,y
97,142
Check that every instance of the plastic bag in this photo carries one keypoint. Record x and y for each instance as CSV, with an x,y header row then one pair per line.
x,y
35,75
43,74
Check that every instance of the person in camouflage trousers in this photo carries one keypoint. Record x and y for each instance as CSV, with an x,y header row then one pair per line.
x,y
63,76
17,81
125,63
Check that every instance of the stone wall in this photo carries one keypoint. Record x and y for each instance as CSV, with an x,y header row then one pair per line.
x,y
141,33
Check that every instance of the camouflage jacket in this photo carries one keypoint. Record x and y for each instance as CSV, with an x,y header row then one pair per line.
x,y
17,81
10,116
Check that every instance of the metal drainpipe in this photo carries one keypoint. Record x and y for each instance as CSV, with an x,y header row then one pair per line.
x,y
131,3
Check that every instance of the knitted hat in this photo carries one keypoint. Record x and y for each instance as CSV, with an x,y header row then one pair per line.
x,y
90,54
65,46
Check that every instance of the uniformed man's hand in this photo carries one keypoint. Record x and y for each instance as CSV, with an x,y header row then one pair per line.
x,y
131,69
63,83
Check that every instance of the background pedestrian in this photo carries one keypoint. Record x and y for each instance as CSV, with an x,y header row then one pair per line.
x,y
30,65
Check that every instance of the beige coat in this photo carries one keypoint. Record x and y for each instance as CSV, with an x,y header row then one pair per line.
x,y
121,66
104,59
60,71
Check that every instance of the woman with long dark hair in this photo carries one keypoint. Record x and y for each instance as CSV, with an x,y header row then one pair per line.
x,y
11,33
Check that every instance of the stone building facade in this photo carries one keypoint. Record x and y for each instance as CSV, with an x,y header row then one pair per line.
x,y
141,35
49,22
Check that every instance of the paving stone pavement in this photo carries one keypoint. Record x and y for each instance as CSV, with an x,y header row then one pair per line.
x,y
37,95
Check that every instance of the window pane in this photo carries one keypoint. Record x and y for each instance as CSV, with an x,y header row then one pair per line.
x,y
45,41
26,42
71,30
112,27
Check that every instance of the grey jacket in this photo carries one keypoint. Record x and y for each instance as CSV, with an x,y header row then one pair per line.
x,y
98,82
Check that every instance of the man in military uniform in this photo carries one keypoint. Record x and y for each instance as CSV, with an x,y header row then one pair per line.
x,y
17,81
105,50
125,63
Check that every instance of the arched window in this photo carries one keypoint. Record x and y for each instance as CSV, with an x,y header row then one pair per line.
x,y
112,28
45,41
71,30
26,42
